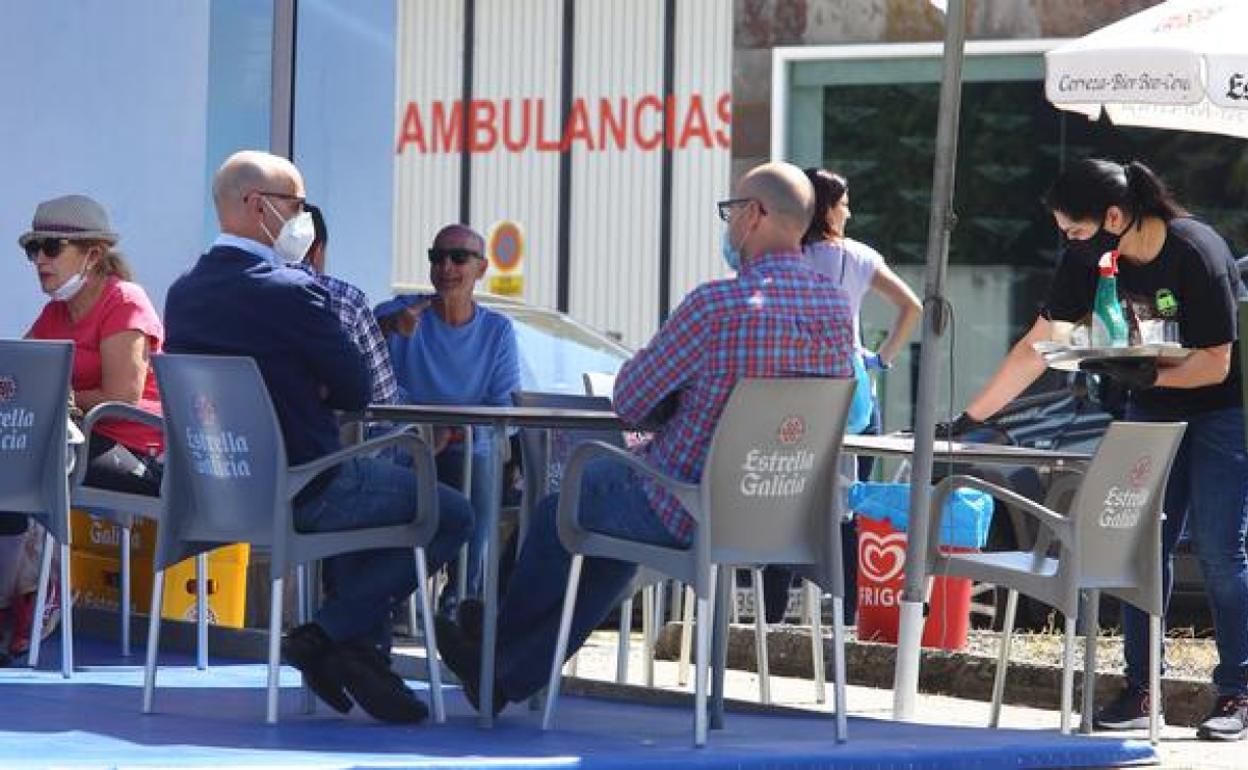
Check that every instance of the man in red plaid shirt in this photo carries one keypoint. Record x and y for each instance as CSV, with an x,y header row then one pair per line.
x,y
776,318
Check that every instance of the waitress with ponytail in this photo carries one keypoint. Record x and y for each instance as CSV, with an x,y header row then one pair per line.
x,y
1173,268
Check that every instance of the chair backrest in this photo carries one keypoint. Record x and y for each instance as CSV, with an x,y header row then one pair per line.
x,y
544,453
225,460
34,412
769,484
599,383
1117,508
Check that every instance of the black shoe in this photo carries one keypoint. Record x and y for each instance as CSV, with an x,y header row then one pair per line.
x,y
470,614
1129,711
462,656
307,648
1228,721
379,691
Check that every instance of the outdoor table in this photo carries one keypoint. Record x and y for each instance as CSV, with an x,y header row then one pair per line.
x,y
500,418
902,445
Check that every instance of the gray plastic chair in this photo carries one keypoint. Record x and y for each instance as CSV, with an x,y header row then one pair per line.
x,y
35,466
227,481
1110,541
745,513
122,508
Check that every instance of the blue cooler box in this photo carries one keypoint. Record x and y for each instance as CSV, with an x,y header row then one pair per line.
x,y
965,523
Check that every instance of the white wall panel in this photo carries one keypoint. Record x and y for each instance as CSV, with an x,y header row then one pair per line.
x,y
616,192
429,53
518,56
700,173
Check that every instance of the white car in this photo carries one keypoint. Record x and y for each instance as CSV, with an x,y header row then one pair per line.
x,y
555,349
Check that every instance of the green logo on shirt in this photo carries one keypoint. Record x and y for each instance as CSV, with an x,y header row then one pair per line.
x,y
1167,304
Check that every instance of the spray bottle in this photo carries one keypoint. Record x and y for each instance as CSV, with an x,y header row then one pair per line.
x,y
1109,325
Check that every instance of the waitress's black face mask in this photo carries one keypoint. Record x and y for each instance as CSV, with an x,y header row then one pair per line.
x,y
1100,242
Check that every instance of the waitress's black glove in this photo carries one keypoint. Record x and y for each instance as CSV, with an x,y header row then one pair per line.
x,y
1136,374
963,423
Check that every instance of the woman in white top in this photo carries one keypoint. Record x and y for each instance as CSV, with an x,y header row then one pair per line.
x,y
857,268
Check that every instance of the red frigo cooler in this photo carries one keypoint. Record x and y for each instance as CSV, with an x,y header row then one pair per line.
x,y
881,511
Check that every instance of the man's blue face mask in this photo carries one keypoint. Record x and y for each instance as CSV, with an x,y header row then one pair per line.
x,y
732,255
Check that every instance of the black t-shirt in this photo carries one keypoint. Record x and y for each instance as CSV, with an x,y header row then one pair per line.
x,y
1193,280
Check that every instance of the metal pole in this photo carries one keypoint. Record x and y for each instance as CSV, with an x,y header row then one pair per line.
x,y
935,320
282,80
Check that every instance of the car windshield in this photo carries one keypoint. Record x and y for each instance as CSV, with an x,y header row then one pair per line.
x,y
556,351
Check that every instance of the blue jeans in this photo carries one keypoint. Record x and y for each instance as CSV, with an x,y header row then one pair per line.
x,y
1208,494
363,588
528,621
485,480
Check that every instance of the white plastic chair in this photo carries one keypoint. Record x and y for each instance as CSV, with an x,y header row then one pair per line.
x,y
122,508
227,481
35,465
1110,541
743,515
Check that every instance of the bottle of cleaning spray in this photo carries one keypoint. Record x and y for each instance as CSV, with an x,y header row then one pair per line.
x,y
1109,325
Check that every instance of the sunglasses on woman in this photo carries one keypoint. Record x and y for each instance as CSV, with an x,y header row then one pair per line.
x,y
458,256
50,247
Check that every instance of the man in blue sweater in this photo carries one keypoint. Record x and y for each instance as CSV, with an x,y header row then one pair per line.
x,y
241,299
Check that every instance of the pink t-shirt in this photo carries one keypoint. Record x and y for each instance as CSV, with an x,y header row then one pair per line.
x,y
122,306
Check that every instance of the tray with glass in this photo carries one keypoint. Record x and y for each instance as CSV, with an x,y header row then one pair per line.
x,y
1069,345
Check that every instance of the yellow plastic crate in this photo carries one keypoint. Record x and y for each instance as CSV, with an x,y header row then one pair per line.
x,y
103,537
96,581
227,587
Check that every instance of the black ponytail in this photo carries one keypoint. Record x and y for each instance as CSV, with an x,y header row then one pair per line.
x,y
1088,187
1148,195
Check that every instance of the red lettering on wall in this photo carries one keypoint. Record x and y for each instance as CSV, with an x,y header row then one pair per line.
x,y
482,135
447,128
544,144
695,125
516,145
645,123
578,127
616,123
411,132
723,108
656,137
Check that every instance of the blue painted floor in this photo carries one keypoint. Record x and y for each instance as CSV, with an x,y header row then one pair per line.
x,y
215,718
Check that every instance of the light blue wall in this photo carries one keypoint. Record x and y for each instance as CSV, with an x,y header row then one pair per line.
x,y
107,99
136,103
240,59
344,131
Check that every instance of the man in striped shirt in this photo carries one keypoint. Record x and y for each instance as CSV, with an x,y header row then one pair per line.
x,y
776,318
350,304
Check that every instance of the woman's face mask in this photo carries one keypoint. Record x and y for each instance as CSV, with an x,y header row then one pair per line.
x,y
68,290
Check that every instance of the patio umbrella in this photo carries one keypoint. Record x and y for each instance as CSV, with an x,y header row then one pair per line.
x,y
1182,64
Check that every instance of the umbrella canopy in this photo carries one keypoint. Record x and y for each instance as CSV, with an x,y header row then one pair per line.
x,y
1182,65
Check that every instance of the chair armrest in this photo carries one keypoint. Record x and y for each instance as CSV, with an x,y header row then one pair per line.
x,y
570,486
109,410
1053,522
300,475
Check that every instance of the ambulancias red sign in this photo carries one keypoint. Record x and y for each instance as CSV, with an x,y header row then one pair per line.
x,y
646,123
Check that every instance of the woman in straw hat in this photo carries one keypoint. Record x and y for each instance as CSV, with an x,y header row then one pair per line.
x,y
115,331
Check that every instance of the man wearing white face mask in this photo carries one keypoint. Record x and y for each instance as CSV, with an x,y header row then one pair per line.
x,y
242,299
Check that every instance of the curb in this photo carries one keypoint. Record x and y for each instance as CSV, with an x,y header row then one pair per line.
x,y
941,672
